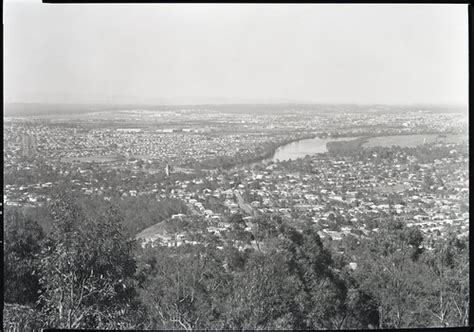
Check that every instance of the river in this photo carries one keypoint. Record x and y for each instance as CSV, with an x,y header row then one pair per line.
x,y
311,146
300,149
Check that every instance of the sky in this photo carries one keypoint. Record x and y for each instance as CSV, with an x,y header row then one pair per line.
x,y
222,53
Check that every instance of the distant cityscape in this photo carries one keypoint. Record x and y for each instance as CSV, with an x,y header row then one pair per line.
x,y
189,177
50,151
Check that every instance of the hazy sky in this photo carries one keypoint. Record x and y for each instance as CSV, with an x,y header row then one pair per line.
x,y
235,53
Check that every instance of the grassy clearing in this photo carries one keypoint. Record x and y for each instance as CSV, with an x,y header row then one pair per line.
x,y
412,140
391,189
96,159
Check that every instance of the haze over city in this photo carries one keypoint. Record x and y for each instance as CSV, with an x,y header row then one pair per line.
x,y
235,167
201,53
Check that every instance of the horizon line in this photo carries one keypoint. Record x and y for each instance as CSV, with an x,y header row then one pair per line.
x,y
239,103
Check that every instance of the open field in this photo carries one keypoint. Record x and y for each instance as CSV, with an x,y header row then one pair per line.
x,y
96,159
391,189
412,140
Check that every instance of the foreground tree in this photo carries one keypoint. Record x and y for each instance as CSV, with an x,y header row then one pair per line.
x,y
23,239
264,295
183,287
413,286
86,270
292,283
448,274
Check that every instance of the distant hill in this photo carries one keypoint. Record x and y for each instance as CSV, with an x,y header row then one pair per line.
x,y
36,109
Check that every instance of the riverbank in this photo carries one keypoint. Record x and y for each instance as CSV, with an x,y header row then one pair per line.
x,y
299,147
269,154
265,153
402,140
346,146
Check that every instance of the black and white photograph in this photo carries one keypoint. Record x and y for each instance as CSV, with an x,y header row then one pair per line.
x,y
235,166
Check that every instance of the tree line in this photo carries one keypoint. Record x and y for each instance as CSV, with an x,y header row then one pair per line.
x,y
88,272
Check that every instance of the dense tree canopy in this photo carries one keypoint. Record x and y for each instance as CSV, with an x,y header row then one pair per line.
x,y
86,269
23,241
88,272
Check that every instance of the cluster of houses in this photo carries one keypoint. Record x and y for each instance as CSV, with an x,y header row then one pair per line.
x,y
342,197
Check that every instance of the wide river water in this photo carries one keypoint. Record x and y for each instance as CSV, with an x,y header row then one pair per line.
x,y
301,149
